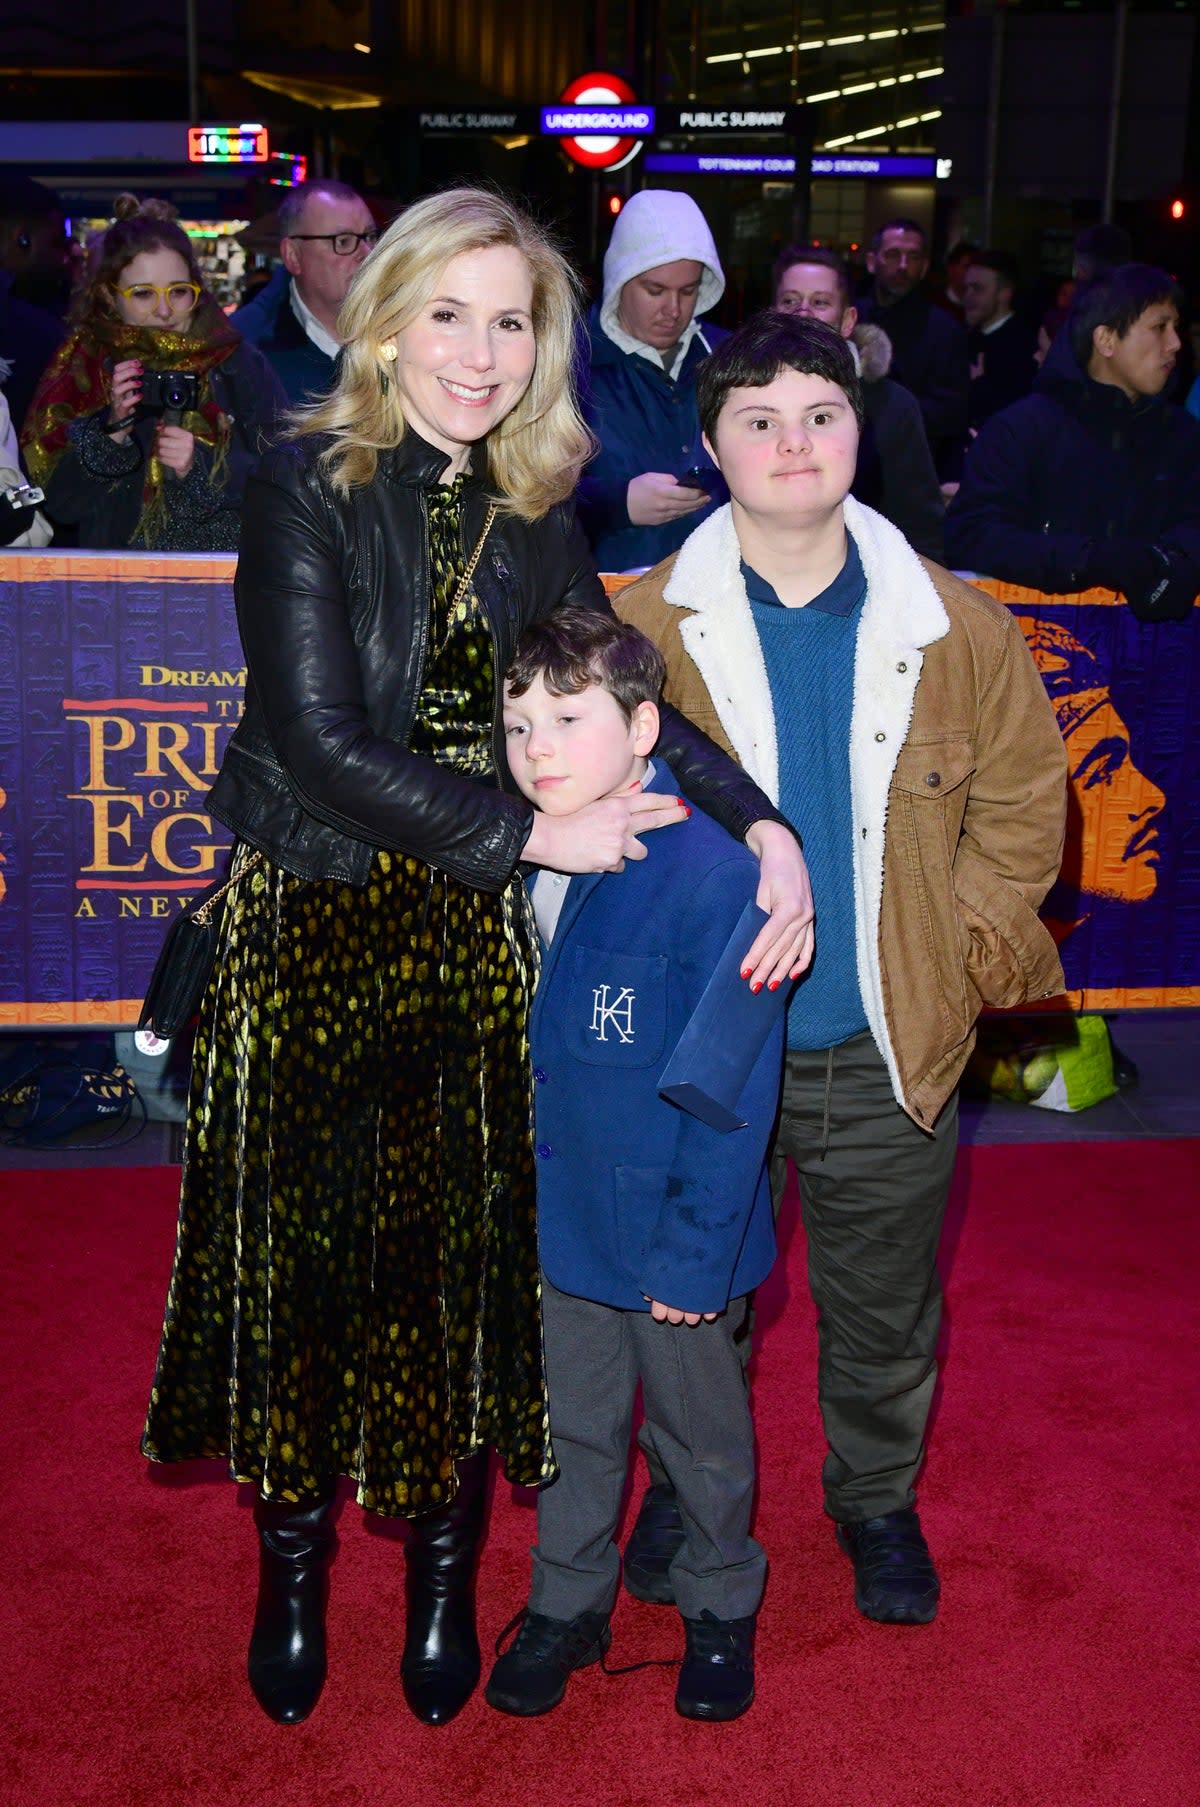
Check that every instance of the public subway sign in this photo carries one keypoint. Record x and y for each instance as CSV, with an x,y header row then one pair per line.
x,y
121,680
228,144
598,121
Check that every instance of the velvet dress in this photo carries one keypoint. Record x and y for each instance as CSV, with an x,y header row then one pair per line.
x,y
355,1289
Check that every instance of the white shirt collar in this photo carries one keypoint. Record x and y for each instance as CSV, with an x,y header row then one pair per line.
x,y
324,341
626,342
995,325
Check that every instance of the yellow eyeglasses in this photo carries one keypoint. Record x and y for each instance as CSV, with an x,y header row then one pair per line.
x,y
179,296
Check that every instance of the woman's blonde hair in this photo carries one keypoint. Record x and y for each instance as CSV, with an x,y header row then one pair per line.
x,y
537,451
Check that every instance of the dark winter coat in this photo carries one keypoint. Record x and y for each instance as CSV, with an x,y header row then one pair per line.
x,y
268,322
645,421
929,356
1073,463
96,486
895,473
333,601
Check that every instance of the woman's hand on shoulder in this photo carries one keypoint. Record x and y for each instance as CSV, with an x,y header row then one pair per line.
x,y
783,947
603,835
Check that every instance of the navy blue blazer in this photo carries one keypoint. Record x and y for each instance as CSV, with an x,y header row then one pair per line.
x,y
637,1198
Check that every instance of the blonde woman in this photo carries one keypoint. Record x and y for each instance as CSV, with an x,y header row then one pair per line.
x,y
356,1286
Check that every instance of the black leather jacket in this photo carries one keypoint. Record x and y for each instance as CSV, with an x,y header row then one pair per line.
x,y
333,608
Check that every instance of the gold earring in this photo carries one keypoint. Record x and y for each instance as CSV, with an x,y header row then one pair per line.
x,y
389,352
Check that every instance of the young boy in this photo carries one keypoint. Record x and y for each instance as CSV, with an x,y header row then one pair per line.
x,y
652,1226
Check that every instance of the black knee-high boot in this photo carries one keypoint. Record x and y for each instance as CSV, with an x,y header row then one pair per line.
x,y
440,1666
286,1661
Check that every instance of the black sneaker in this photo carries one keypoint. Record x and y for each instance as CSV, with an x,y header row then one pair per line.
x,y
531,1677
653,1545
716,1680
894,1577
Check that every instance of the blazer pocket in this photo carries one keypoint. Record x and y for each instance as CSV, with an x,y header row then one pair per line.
x,y
615,1008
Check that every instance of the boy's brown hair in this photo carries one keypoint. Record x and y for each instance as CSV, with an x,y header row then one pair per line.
x,y
575,647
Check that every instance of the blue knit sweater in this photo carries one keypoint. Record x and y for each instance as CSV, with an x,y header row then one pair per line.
x,y
809,655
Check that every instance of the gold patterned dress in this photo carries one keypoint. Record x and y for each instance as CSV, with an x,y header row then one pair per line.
x,y
355,1283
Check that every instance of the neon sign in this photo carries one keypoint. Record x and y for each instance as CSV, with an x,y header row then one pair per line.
x,y
228,144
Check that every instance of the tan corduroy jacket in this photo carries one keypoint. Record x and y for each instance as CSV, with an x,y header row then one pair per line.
x,y
957,778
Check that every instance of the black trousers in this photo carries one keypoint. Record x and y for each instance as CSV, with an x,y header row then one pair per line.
x,y
873,1190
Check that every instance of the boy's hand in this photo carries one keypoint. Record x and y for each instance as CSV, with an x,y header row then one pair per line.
x,y
669,1314
783,947
603,835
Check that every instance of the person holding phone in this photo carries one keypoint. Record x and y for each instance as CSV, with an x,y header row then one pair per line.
x,y
652,480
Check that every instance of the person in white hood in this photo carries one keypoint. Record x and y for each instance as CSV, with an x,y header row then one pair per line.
x,y
661,271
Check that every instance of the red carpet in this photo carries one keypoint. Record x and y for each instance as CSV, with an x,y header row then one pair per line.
x,y
1061,1501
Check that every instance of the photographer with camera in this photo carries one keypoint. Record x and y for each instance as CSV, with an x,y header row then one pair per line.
x,y
152,415
20,522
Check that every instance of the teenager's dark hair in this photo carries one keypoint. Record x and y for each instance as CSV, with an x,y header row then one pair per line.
x,y
1117,299
575,647
770,343
899,225
810,254
1004,266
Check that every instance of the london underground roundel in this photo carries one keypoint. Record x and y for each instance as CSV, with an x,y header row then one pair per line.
x,y
598,89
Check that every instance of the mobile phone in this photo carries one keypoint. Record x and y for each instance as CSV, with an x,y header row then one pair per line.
x,y
701,476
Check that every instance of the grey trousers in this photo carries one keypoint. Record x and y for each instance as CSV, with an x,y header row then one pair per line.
x,y
694,1386
873,1190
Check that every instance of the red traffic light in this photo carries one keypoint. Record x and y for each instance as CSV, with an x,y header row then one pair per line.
x,y
1177,210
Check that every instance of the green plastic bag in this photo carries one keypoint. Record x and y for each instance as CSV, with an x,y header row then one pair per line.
x,y
1056,1062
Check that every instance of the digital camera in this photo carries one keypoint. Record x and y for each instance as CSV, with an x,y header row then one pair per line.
x,y
171,392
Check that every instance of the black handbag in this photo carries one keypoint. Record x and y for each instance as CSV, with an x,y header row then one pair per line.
x,y
186,960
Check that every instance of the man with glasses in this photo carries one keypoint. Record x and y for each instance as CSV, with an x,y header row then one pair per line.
x,y
929,348
325,231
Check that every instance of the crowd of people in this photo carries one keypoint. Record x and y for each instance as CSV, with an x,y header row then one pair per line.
x,y
492,841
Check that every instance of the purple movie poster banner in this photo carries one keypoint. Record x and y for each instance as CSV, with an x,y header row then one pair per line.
x,y
120,680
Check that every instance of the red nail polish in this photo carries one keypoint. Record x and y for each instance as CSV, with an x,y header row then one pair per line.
x,y
686,811
746,971
774,985
756,988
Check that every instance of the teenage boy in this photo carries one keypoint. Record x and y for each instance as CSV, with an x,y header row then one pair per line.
x,y
1094,479
652,1226
896,716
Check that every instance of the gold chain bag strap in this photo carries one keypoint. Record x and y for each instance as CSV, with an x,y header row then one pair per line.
x,y
186,959
464,582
